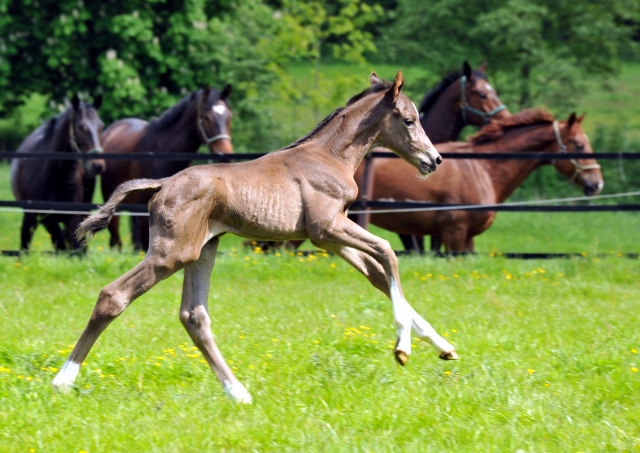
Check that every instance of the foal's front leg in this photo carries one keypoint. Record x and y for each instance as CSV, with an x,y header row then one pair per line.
x,y
194,316
375,259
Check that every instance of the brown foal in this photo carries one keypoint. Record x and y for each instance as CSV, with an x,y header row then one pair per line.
x,y
300,192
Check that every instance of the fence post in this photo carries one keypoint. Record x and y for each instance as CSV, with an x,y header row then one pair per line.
x,y
367,191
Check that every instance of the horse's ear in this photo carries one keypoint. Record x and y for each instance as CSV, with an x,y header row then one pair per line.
x,y
394,91
571,121
373,78
580,118
97,101
483,67
226,92
205,92
75,101
466,70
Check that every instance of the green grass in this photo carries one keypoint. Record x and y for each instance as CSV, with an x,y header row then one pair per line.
x,y
547,361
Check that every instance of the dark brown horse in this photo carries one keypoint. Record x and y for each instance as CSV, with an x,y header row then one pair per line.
x,y
481,181
460,99
203,117
77,130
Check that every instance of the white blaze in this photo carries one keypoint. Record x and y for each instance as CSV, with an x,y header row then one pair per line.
x,y
219,109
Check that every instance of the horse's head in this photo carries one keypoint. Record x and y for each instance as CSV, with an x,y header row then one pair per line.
x,y
401,130
85,130
479,102
571,139
214,120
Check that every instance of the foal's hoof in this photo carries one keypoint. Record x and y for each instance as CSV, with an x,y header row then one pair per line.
x,y
401,356
237,393
451,355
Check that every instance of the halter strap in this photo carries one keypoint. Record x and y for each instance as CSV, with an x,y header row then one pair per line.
x,y
562,148
72,139
467,108
203,133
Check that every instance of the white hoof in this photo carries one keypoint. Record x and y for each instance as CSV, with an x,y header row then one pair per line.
x,y
237,392
66,377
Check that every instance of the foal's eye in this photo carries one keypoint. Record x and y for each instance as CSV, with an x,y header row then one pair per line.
x,y
409,122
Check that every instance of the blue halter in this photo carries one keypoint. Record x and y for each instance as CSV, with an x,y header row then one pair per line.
x,y
466,107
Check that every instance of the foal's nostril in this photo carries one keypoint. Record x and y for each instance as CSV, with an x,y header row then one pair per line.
x,y
439,160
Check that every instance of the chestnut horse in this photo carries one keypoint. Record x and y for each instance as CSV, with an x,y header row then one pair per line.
x,y
482,181
77,130
300,192
203,117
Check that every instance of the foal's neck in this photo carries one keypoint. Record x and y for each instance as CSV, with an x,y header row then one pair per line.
x,y
507,175
443,122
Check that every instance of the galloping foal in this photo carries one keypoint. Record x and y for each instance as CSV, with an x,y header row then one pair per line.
x,y
302,191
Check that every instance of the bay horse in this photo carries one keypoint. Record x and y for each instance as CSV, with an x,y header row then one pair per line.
x,y
76,130
202,117
482,181
299,192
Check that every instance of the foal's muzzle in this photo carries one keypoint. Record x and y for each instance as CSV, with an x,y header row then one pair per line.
x,y
430,164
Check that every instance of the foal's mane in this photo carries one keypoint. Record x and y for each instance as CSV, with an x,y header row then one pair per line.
x,y
429,99
171,115
375,88
497,128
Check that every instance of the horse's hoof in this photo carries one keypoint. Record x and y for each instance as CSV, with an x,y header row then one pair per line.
x,y
401,356
237,393
451,355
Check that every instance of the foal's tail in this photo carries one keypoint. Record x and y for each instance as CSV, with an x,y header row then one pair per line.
x,y
100,220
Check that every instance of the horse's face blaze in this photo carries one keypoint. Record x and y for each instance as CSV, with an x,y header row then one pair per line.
x,y
590,180
216,120
481,96
404,135
87,129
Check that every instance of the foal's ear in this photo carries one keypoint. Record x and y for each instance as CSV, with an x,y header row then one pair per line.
x,y
226,92
571,121
483,67
75,101
580,118
394,91
97,101
373,78
466,70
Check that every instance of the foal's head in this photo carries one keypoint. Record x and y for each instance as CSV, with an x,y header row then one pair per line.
x,y
401,131
585,172
85,130
214,120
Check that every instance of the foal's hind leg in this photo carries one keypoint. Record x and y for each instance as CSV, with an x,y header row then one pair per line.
x,y
195,318
112,301
374,258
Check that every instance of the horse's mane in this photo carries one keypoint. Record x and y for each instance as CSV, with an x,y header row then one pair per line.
x,y
171,115
375,88
497,128
433,95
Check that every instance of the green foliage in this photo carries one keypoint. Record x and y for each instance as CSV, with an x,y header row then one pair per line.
x,y
542,50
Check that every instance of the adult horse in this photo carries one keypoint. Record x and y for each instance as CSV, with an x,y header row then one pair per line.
x,y
300,192
482,181
203,117
76,130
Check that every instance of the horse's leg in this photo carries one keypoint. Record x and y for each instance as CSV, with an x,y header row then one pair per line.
x,y
114,231
436,244
29,224
195,318
455,238
374,258
57,235
71,226
112,301
470,247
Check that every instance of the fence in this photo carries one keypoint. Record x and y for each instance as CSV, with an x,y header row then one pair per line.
x,y
366,206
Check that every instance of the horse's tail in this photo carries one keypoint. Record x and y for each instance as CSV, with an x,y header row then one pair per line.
x,y
100,220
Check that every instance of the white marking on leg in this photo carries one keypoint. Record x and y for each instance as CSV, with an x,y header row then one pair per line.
x,y
219,109
237,392
424,331
401,318
66,376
